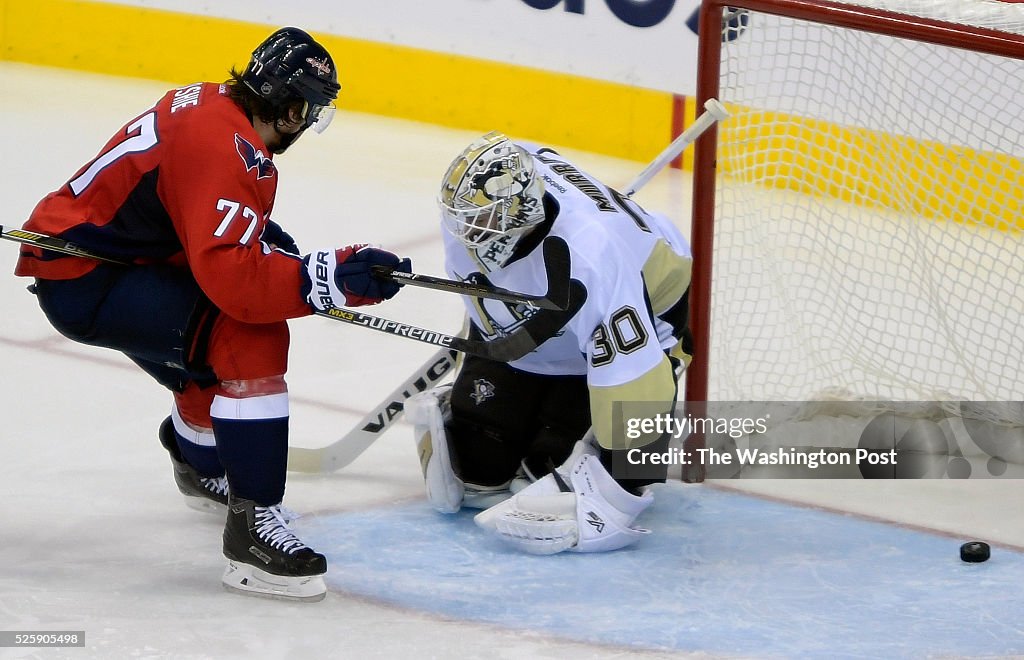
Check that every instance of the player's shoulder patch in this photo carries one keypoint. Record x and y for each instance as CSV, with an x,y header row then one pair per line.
x,y
254,159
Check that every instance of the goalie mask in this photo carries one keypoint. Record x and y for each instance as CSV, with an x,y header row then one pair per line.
x,y
491,191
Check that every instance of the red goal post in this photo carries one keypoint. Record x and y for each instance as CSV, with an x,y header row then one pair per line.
x,y
842,168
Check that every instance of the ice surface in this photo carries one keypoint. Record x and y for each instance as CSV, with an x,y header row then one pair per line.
x,y
95,537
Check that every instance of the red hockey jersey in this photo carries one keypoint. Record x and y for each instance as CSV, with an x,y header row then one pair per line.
x,y
189,183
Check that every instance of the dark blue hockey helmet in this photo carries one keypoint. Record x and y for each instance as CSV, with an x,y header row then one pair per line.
x,y
291,66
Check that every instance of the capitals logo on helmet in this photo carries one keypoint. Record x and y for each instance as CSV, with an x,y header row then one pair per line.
x,y
491,191
323,66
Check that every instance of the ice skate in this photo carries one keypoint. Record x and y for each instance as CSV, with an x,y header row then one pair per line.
x,y
265,558
201,493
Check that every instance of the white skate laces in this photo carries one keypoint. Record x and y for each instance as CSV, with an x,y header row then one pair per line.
x,y
271,526
216,485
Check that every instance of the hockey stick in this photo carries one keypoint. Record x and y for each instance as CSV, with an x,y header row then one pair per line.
x,y
340,453
513,346
545,324
346,449
53,244
350,446
530,334
715,112
559,299
556,297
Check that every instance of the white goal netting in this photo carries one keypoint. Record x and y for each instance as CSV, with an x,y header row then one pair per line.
x,y
869,228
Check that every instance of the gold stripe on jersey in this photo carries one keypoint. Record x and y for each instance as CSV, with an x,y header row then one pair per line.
x,y
651,389
489,326
666,275
680,354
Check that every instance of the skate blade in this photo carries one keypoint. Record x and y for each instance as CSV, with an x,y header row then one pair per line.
x,y
251,581
205,505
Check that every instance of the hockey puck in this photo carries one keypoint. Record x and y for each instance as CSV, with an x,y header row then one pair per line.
x,y
975,551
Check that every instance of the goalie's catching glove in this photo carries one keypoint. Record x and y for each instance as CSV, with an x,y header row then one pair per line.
x,y
578,507
343,276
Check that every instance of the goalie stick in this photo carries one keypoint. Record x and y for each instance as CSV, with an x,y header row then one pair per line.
x,y
715,112
350,446
376,422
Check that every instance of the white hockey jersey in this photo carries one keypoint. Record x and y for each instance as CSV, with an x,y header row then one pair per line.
x,y
635,266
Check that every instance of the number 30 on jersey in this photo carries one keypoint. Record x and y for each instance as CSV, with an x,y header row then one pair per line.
x,y
624,333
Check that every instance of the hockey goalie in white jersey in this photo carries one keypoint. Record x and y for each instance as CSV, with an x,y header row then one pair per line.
x,y
535,441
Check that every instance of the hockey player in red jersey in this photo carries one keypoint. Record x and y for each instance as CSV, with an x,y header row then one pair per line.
x,y
184,192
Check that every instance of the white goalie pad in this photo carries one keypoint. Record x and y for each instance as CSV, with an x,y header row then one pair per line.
x,y
251,581
428,411
581,509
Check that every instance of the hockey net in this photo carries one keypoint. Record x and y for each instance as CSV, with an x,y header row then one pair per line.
x,y
864,204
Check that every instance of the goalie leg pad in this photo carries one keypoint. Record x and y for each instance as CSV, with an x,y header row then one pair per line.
x,y
428,412
580,508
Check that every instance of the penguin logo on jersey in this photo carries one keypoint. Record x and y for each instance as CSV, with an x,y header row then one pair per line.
x,y
254,158
482,390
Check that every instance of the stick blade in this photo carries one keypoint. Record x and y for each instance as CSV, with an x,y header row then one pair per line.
x,y
302,459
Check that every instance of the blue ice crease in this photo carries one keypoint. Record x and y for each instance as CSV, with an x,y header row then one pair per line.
x,y
723,573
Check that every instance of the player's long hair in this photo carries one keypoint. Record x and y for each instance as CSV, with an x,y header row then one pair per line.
x,y
254,104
